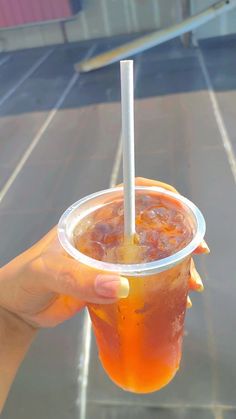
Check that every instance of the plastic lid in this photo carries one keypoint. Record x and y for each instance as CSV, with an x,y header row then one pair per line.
x,y
84,206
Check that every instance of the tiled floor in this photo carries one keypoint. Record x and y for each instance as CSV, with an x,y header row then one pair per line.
x,y
179,139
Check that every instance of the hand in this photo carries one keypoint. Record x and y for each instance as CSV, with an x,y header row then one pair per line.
x,y
195,282
44,286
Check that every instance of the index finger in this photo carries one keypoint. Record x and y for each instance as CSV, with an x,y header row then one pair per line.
x,y
141,181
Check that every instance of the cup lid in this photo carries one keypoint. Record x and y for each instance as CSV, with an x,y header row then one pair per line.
x,y
88,204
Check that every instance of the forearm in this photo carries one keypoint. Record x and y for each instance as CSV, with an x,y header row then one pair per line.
x,y
16,337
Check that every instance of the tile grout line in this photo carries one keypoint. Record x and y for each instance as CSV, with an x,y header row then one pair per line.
x,y
130,403
32,69
40,133
36,139
87,330
5,59
218,116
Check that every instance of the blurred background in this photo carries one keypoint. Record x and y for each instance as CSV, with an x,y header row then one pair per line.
x,y
60,140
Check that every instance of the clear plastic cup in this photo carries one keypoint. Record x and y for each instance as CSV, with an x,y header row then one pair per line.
x,y
139,338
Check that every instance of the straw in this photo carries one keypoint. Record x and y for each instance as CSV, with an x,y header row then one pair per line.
x,y
127,111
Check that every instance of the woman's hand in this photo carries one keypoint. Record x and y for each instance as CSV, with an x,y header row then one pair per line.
x,y
44,286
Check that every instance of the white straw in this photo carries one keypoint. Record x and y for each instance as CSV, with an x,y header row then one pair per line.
x,y
127,108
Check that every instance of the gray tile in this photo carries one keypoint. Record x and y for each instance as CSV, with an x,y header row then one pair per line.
x,y
226,100
32,190
177,141
219,55
213,186
47,383
172,49
41,90
220,60
154,166
79,149
21,230
19,63
84,166
17,132
147,412
80,133
80,178
166,77
179,124
192,159
170,131
97,87
5,172
229,414
26,111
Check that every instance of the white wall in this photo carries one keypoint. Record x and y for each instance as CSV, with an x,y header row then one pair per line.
x,y
113,17
99,18
222,25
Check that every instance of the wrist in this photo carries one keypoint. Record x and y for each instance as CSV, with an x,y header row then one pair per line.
x,y
16,337
12,296
11,324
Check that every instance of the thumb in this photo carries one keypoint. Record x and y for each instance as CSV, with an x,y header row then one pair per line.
x,y
70,277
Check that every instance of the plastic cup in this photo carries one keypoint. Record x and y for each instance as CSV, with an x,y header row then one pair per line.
x,y
139,338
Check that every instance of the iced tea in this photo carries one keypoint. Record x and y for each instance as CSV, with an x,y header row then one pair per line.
x,y
139,338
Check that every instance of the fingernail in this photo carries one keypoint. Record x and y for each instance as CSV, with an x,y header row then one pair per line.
x,y
112,286
197,280
200,288
189,302
205,247
202,249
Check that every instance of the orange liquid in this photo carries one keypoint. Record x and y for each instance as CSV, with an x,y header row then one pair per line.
x,y
140,338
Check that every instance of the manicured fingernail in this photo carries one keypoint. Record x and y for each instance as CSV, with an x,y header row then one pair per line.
x,y
197,279
112,286
205,248
202,249
189,302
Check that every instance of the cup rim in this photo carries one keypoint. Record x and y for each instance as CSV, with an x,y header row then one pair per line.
x,y
141,269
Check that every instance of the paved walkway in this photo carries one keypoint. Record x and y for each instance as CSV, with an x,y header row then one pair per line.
x,y
60,140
